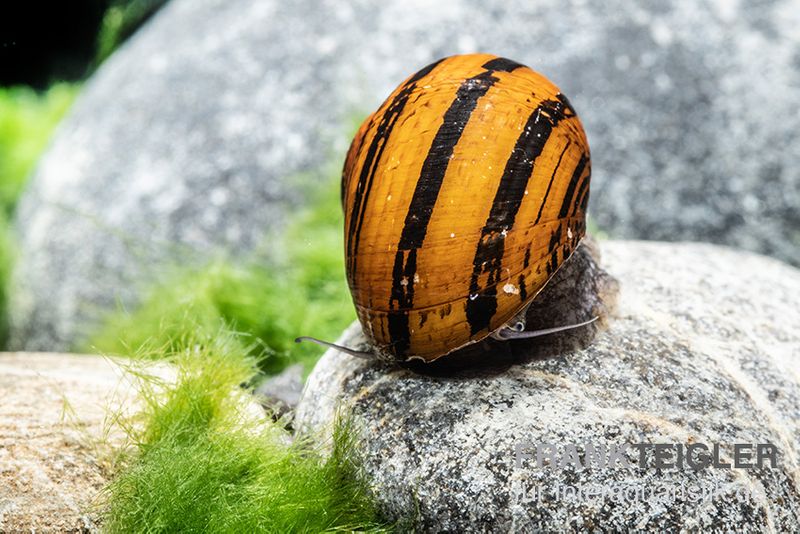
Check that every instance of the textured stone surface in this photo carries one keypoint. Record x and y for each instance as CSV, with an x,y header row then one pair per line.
x,y
55,438
183,140
280,393
703,348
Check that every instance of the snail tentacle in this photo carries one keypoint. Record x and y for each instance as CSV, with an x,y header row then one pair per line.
x,y
512,332
364,355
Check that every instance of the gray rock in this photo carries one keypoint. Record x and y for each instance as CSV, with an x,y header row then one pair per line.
x,y
703,348
184,140
281,393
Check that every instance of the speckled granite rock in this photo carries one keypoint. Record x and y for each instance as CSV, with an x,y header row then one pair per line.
x,y
183,140
704,348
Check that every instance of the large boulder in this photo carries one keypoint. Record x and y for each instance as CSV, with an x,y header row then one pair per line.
x,y
703,348
184,139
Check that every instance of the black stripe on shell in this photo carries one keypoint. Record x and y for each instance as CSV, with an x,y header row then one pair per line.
x,y
482,302
567,203
372,160
550,183
426,194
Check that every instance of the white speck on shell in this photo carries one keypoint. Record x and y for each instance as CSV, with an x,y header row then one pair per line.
x,y
404,281
511,289
569,232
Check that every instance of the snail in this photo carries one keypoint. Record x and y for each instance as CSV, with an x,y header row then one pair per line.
x,y
463,194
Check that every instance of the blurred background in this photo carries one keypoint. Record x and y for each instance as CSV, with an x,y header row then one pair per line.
x,y
174,166
46,52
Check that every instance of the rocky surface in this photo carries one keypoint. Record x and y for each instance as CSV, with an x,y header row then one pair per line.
x,y
56,439
280,394
185,139
703,347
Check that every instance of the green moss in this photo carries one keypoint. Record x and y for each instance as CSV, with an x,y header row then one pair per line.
x,y
303,292
27,119
120,21
202,463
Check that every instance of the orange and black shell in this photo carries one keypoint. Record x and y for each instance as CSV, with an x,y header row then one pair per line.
x,y
463,194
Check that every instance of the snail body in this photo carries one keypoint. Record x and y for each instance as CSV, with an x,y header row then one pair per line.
x,y
463,194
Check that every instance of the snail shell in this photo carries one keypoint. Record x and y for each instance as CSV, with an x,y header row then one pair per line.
x,y
463,194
